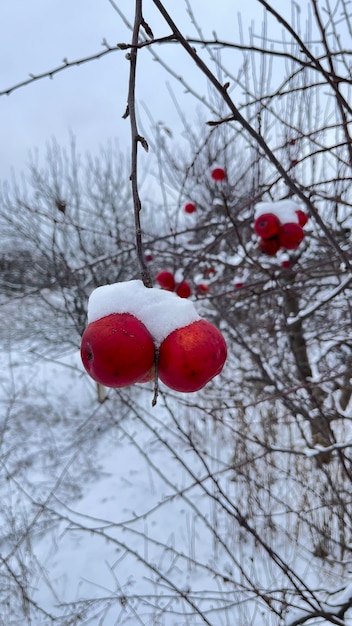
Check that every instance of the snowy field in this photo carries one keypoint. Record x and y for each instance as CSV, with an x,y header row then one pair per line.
x,y
120,513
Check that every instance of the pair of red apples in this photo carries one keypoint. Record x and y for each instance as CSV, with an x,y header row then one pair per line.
x,y
129,324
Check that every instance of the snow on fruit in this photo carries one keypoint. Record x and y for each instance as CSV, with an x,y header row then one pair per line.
x,y
279,225
128,321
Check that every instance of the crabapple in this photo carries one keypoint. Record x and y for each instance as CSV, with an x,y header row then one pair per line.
x,y
190,207
302,217
286,264
218,174
202,288
290,235
269,246
267,225
166,280
117,350
208,271
183,289
191,356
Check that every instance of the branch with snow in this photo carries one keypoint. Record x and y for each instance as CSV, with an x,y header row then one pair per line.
x,y
330,296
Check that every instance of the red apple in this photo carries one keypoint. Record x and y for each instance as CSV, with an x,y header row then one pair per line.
x,y
183,289
190,207
117,350
302,217
286,264
191,356
238,285
269,246
290,235
267,225
166,280
148,258
218,174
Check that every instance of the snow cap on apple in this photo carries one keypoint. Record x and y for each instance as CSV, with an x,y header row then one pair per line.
x,y
159,310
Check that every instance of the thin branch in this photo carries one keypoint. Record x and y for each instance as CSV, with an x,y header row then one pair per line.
x,y
307,312
136,139
293,186
64,66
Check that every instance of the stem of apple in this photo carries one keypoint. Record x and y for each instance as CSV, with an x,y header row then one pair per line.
x,y
136,139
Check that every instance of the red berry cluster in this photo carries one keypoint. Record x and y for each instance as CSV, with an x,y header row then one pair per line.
x,y
277,233
167,281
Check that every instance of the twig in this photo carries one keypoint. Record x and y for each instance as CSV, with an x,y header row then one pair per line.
x,y
136,139
64,66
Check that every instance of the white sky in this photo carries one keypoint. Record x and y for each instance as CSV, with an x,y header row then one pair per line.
x,y
89,101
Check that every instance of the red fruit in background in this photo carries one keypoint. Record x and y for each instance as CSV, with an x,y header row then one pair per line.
x,y
267,225
117,350
238,285
290,235
208,271
218,174
302,217
166,280
191,356
183,290
286,264
148,258
269,246
202,288
190,207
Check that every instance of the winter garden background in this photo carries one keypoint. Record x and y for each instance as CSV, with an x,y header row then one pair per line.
x,y
230,506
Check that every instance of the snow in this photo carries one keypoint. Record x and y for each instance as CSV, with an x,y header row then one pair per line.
x,y
285,210
323,298
131,530
159,310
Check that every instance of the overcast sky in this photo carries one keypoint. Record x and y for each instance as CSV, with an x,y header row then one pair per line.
x,y
89,100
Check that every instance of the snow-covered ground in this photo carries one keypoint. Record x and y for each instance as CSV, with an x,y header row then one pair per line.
x,y
120,513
